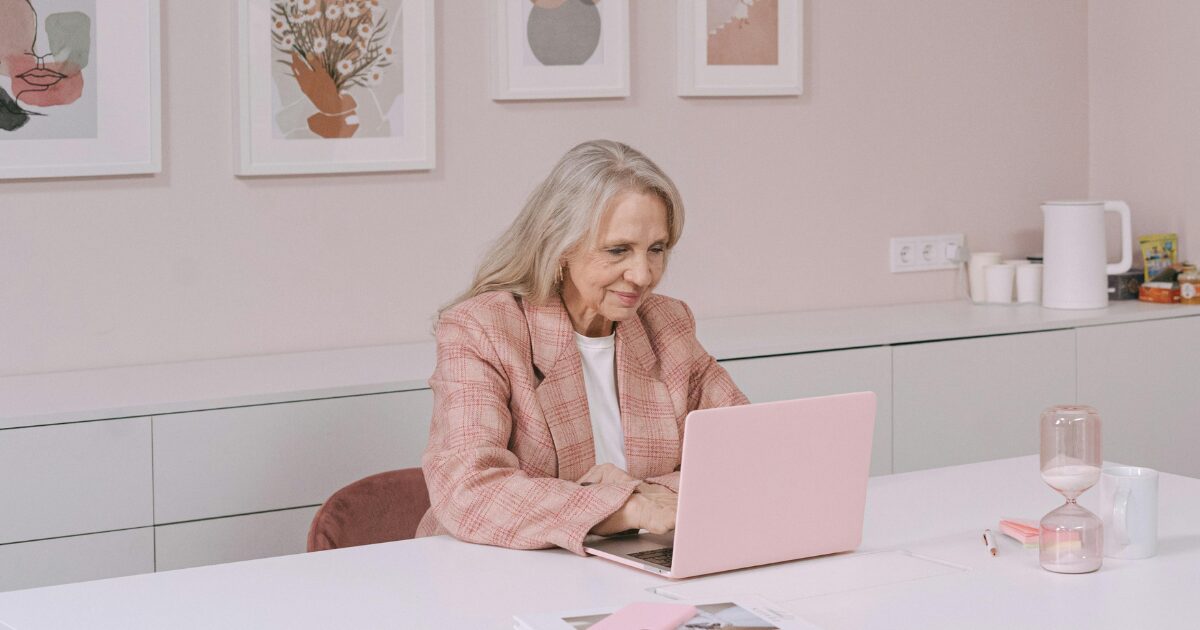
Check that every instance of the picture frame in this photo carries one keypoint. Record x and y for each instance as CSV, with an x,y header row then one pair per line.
x,y
531,60
740,48
335,86
66,111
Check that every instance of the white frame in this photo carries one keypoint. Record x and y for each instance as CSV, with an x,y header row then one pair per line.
x,y
607,80
257,153
115,150
695,77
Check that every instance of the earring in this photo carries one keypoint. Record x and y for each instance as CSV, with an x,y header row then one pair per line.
x,y
560,273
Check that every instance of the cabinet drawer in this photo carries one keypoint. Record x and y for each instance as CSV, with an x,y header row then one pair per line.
x,y
1141,377
232,539
252,459
971,400
80,478
823,373
76,558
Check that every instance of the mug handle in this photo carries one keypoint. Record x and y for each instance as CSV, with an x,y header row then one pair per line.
x,y
1121,514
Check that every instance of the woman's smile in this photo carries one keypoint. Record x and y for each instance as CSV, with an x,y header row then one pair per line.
x,y
627,298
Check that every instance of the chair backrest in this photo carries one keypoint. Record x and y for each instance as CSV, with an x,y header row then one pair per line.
x,y
380,508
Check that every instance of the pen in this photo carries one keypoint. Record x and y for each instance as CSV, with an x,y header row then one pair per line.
x,y
989,541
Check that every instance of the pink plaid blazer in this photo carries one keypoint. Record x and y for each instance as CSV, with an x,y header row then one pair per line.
x,y
511,432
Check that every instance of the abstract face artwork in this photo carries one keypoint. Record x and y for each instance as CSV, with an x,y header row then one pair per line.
x,y
338,71
42,64
743,32
564,33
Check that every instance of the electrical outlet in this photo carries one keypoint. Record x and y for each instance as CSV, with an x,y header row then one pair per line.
x,y
925,253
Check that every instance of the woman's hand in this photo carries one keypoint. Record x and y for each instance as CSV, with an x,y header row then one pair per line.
x,y
652,512
653,488
651,507
604,473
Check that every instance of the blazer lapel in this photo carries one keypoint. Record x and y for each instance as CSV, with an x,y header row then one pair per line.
x,y
652,442
561,394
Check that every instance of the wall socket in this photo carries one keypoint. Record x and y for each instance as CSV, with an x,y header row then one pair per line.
x,y
925,253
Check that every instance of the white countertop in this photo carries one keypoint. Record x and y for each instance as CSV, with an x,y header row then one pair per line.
x,y
163,388
37,399
811,331
934,515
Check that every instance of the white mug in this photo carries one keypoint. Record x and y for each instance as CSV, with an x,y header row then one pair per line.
x,y
999,282
1129,508
975,274
1029,284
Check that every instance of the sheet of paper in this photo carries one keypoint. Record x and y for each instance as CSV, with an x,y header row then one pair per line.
x,y
791,581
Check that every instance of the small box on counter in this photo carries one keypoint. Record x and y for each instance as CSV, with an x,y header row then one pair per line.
x,y
1125,286
1159,292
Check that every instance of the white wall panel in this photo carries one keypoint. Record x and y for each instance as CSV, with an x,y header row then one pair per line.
x,y
232,539
250,459
1143,379
76,559
971,400
68,479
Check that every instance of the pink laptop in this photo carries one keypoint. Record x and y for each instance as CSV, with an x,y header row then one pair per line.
x,y
762,483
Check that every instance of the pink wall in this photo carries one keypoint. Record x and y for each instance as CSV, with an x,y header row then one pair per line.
x,y
919,117
1144,81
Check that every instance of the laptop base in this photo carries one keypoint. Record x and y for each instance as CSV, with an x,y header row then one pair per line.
x,y
618,549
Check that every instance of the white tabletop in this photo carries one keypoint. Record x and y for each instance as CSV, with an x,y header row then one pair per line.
x,y
442,583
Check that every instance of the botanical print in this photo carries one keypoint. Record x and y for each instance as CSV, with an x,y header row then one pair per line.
x,y
743,32
563,33
47,69
338,68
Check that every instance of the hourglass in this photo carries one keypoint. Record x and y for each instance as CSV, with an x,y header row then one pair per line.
x,y
1072,538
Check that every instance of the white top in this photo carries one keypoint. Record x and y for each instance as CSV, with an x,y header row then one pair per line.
x,y
932,520
600,378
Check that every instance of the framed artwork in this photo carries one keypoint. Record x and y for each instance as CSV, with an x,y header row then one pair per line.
x,y
740,47
79,88
335,86
557,49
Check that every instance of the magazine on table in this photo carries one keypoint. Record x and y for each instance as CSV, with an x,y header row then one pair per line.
x,y
737,613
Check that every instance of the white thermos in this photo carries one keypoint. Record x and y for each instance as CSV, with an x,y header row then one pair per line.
x,y
1076,268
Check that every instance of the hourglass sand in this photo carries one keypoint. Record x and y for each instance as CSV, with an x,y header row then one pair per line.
x,y
1072,538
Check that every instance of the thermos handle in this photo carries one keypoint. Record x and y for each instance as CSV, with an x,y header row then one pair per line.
x,y
1121,208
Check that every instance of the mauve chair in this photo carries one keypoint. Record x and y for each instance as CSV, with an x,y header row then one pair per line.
x,y
380,508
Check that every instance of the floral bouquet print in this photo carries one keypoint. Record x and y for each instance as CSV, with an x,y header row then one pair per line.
x,y
333,47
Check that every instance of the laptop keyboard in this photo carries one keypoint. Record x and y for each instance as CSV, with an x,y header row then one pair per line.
x,y
661,557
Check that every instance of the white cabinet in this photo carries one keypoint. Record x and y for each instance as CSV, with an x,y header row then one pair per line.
x,y
821,373
67,479
76,559
228,478
1143,379
251,459
971,400
232,539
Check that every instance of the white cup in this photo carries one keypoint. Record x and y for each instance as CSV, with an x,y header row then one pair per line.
x,y
1129,508
1015,261
999,282
975,274
1029,284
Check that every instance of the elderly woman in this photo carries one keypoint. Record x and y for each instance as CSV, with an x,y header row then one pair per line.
x,y
562,380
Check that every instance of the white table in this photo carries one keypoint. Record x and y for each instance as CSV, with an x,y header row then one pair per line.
x,y
442,583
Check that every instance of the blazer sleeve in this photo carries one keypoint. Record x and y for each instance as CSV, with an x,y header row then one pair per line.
x,y
477,489
709,386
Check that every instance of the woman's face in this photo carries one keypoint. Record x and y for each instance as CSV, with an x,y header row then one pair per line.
x,y
606,281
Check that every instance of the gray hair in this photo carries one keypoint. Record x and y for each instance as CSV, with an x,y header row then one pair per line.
x,y
564,212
